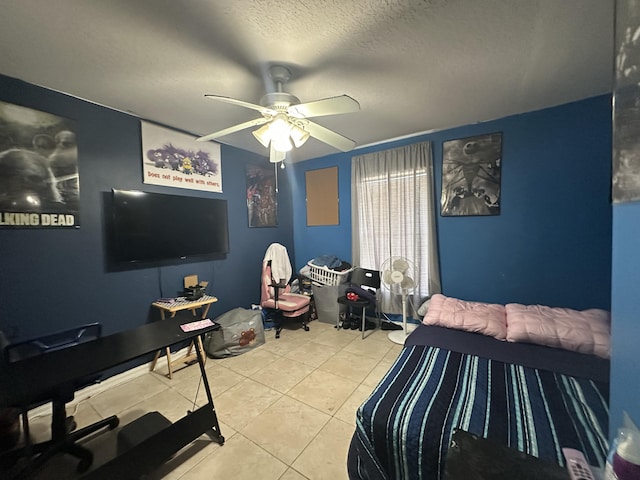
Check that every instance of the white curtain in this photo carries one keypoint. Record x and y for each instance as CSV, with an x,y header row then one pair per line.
x,y
393,214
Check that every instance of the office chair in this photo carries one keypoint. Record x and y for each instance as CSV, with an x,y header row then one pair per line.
x,y
276,292
63,433
361,293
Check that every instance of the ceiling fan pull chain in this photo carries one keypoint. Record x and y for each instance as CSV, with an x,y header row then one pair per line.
x,y
275,169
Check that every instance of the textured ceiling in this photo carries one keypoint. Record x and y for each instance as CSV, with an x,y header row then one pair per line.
x,y
413,66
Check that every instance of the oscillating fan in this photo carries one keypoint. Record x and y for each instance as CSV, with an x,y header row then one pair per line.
x,y
398,275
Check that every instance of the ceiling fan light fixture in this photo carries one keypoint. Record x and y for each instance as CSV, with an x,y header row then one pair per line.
x,y
280,126
282,144
276,156
299,136
280,130
263,135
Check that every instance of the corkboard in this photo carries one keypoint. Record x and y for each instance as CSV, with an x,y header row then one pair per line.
x,y
322,197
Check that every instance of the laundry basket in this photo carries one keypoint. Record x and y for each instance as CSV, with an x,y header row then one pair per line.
x,y
326,276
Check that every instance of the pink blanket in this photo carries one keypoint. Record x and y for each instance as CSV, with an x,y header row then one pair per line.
x,y
484,318
587,331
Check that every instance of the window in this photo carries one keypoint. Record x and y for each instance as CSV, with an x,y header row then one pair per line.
x,y
394,215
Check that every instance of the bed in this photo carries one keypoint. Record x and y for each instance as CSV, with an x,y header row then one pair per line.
x,y
534,398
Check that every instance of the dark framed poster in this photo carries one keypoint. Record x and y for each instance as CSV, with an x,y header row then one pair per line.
x,y
39,181
262,203
471,176
625,183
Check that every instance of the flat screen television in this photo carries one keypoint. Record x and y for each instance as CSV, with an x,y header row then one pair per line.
x,y
156,227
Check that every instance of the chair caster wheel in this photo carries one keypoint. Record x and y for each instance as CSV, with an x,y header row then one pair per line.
x,y
221,440
114,423
306,328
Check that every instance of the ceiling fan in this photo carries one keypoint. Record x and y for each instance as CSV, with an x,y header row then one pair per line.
x,y
284,122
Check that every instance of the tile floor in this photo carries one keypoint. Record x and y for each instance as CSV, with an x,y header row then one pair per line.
x,y
286,408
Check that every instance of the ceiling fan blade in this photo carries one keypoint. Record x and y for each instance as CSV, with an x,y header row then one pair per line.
x,y
326,106
242,103
329,137
235,128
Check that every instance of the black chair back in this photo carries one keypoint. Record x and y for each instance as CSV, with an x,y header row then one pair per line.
x,y
52,342
63,428
365,277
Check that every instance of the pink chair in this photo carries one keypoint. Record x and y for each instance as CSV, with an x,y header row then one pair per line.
x,y
278,297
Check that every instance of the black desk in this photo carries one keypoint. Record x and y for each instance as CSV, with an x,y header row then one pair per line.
x,y
37,376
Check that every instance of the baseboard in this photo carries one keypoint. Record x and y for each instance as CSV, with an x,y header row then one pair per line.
x,y
109,383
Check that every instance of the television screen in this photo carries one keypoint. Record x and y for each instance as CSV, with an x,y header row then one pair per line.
x,y
152,227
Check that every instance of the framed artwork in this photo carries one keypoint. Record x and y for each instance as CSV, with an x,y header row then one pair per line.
x,y
174,159
262,203
39,181
625,183
471,176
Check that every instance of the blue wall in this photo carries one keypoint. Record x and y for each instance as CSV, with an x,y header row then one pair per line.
x,y
551,244
625,310
52,279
